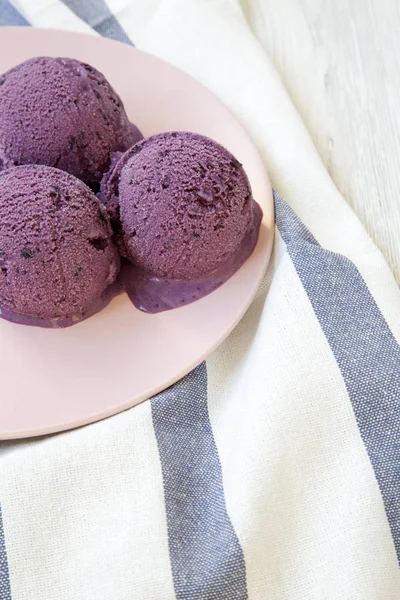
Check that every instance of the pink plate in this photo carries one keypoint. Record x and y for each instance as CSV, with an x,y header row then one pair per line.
x,y
54,380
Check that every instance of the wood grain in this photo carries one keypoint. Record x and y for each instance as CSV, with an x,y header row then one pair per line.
x,y
340,62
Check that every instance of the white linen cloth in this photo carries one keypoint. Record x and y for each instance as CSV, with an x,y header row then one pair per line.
x,y
272,472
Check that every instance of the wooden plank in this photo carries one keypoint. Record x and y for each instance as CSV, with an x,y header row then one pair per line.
x,y
340,61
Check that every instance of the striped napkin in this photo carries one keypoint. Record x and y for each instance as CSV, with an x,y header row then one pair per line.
x,y
272,471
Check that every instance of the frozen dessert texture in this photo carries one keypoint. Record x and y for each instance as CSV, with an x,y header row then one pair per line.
x,y
177,206
181,204
62,113
57,255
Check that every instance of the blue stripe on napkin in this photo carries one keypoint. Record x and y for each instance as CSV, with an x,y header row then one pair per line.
x,y
5,589
97,14
206,557
364,347
10,16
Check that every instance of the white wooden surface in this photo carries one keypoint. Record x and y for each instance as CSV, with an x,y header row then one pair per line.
x,y
340,61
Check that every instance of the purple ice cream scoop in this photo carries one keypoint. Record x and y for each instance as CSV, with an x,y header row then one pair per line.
x,y
61,113
57,255
182,204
